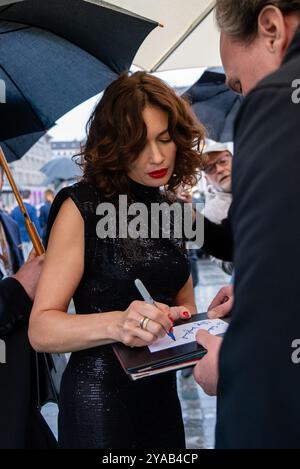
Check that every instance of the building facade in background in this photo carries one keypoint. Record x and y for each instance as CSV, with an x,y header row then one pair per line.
x,y
27,175
65,149
26,171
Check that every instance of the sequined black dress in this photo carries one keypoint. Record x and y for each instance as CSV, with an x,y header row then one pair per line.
x,y
99,406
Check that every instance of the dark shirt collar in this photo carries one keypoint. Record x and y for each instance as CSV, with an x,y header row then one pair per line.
x,y
294,48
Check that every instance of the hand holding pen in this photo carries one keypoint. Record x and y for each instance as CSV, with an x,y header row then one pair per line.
x,y
141,324
178,311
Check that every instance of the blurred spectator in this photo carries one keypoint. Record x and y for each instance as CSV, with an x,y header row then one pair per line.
x,y
219,197
218,177
44,212
18,217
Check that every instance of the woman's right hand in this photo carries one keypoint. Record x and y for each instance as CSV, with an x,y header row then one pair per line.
x,y
127,326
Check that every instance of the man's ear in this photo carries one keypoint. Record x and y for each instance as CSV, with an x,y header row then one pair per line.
x,y
275,30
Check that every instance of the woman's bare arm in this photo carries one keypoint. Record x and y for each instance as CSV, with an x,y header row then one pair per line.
x,y
51,329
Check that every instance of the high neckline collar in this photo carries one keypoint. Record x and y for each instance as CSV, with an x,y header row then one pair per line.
x,y
140,189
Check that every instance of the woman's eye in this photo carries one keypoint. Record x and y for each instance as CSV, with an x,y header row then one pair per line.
x,y
166,140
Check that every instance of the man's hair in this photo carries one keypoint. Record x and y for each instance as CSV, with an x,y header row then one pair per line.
x,y
239,19
26,193
49,193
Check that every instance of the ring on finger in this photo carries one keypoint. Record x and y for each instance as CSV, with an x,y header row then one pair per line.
x,y
145,323
142,321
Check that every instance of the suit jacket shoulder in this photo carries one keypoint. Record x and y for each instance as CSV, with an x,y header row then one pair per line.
x,y
12,233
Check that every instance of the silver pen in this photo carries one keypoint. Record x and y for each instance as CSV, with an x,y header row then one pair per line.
x,y
148,298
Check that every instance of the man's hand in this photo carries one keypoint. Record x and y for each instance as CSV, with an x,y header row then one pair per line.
x,y
222,303
206,372
28,275
185,195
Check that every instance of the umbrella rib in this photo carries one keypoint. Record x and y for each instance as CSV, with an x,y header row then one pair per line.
x,y
38,120
184,36
14,30
198,97
209,97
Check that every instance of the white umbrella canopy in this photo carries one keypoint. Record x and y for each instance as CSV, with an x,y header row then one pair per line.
x,y
189,37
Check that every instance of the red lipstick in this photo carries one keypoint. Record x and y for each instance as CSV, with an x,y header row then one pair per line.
x,y
159,174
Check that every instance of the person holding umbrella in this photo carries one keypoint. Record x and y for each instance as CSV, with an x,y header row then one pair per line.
x,y
141,136
21,424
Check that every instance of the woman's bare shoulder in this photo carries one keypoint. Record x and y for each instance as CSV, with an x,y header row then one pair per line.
x,y
68,225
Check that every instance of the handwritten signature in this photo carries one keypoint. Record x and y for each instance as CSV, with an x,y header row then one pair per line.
x,y
201,325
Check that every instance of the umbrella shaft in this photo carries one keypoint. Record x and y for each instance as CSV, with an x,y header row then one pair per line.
x,y
33,234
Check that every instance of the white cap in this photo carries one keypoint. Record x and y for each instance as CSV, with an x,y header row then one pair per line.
x,y
211,146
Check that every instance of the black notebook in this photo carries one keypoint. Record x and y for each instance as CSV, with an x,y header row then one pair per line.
x,y
167,355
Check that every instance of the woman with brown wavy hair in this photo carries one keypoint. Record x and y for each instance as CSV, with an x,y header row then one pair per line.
x,y
142,137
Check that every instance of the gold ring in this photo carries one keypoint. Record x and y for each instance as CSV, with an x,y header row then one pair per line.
x,y
145,323
142,322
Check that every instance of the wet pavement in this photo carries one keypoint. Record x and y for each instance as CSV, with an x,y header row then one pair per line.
x,y
199,410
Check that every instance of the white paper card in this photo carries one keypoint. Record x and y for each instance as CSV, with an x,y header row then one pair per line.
x,y
185,333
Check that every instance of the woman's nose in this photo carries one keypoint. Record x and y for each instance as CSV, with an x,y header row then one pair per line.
x,y
156,156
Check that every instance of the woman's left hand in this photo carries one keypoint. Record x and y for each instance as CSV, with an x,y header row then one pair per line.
x,y
175,313
179,312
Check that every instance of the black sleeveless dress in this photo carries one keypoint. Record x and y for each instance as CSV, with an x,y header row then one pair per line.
x,y
99,406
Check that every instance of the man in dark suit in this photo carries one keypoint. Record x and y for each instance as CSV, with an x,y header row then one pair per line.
x,y
44,213
258,389
17,215
21,425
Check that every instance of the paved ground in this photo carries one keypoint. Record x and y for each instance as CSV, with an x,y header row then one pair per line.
x,y
199,410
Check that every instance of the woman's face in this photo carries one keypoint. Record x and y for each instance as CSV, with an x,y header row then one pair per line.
x,y
155,164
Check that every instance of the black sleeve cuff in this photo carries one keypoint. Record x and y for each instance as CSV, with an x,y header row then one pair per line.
x,y
15,305
218,240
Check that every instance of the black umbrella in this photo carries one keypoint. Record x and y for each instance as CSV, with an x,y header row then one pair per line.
x,y
53,56
61,168
214,104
